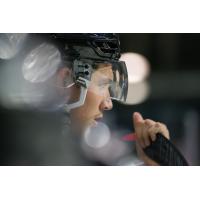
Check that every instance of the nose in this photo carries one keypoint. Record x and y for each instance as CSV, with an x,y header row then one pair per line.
x,y
106,104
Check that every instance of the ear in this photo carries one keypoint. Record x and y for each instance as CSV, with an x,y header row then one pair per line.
x,y
63,77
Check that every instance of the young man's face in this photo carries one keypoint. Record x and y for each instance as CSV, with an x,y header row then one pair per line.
x,y
97,100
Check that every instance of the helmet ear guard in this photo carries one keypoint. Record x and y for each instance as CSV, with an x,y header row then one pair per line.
x,y
82,73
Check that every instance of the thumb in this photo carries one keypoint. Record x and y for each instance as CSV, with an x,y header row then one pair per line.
x,y
137,120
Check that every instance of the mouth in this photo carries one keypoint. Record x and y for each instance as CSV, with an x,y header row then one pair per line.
x,y
96,121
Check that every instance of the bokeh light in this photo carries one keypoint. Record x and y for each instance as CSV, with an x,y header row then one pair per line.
x,y
138,92
100,145
41,63
138,66
97,136
10,44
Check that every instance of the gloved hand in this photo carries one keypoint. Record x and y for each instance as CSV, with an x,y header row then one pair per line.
x,y
146,130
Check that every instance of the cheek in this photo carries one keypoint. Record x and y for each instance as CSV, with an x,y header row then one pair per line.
x,y
92,100
91,105
89,109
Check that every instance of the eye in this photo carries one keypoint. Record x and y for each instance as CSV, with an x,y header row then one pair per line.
x,y
103,85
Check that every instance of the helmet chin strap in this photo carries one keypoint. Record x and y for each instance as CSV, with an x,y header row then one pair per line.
x,y
80,102
83,93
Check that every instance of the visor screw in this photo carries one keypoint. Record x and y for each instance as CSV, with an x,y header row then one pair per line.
x,y
86,73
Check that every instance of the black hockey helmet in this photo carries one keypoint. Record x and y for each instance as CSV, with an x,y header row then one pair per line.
x,y
105,46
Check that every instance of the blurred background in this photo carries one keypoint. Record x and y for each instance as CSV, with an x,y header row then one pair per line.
x,y
164,85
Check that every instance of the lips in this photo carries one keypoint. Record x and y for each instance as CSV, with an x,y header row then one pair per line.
x,y
96,121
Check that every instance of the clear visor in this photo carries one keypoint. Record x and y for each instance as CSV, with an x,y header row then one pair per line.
x,y
110,80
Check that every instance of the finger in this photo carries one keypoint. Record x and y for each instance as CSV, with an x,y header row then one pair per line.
x,y
149,122
145,136
141,129
164,130
137,121
141,133
153,131
140,140
158,128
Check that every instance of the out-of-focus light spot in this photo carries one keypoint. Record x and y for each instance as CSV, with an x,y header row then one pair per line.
x,y
10,44
97,136
41,63
15,92
137,92
108,151
138,67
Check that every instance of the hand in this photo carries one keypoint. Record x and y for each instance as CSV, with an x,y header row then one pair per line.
x,y
146,131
